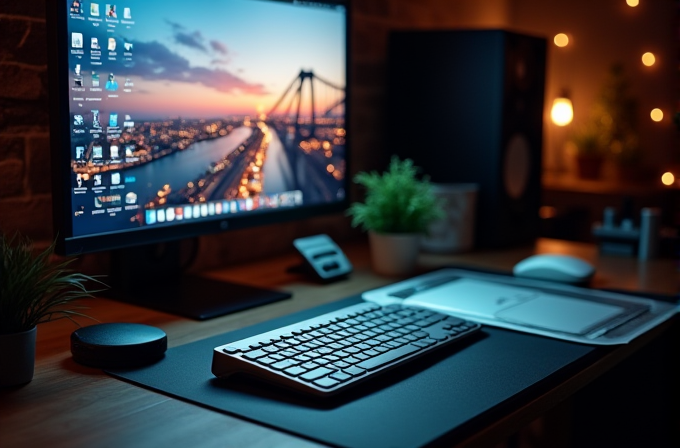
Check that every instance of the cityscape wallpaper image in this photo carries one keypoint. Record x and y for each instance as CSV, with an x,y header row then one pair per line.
x,y
189,110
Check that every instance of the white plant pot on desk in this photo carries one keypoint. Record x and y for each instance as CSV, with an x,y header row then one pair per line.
x,y
17,351
394,254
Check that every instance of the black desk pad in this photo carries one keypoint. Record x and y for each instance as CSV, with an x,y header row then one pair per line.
x,y
445,394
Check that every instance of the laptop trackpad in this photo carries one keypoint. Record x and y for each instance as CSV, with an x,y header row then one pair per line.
x,y
562,314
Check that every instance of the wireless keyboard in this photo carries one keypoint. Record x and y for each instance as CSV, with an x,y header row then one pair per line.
x,y
334,351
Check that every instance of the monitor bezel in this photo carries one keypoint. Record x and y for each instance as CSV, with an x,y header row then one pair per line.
x,y
68,244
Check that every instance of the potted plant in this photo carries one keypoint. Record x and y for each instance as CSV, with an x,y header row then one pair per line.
x,y
590,152
33,290
398,209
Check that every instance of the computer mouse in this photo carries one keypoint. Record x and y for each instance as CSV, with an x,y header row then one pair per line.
x,y
554,267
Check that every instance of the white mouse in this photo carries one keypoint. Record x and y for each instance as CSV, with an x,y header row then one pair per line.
x,y
553,267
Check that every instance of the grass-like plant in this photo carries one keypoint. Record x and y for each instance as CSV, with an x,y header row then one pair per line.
x,y
33,289
396,201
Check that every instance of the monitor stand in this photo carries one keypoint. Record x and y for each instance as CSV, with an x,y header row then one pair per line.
x,y
153,277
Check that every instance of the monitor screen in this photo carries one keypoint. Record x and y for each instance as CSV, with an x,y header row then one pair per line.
x,y
172,119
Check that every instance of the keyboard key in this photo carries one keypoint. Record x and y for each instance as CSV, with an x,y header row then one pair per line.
x,y
252,355
340,376
281,365
266,360
388,357
354,371
231,350
316,373
341,364
310,365
294,371
326,382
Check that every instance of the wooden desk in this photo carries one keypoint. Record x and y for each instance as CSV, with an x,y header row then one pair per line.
x,y
68,405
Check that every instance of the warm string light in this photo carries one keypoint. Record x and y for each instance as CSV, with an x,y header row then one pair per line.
x,y
656,114
667,178
561,40
632,3
648,59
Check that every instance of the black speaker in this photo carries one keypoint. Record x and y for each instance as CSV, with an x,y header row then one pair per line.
x,y
467,106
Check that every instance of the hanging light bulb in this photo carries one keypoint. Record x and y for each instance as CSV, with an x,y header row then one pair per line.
x,y
562,112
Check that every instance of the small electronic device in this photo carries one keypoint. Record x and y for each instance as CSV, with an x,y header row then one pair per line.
x,y
113,345
555,267
323,259
189,124
332,352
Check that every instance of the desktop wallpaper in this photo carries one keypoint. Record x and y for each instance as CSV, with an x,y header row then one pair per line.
x,y
189,110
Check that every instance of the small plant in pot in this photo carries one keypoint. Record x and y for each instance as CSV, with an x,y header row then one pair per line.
x,y
590,152
398,209
33,290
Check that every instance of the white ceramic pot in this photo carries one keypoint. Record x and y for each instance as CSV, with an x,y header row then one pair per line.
x,y
394,254
17,351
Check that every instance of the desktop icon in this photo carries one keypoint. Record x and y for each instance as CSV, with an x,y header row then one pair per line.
x,y
94,9
128,46
187,211
179,213
95,79
77,40
114,153
97,202
131,198
112,44
129,150
211,209
78,120
170,214
111,83
127,14
111,11
97,152
76,70
160,215
94,44
113,119
95,119
80,152
150,216
97,180
76,7
115,177
79,180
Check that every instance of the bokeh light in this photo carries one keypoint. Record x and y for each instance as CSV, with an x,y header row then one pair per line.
x,y
561,40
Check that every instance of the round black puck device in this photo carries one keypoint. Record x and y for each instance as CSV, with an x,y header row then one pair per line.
x,y
115,345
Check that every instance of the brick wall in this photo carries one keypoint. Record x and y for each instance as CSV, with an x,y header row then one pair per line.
x,y
24,135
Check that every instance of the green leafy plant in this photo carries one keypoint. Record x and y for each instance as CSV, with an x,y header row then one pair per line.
x,y
589,142
33,289
396,200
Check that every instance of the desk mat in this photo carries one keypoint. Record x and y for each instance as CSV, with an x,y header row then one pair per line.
x,y
443,394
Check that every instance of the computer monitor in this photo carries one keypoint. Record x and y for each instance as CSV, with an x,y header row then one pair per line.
x,y
173,119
